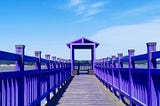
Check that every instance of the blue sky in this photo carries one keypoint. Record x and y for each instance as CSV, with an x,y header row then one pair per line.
x,y
47,25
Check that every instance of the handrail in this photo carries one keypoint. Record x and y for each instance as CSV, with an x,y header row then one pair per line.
x,y
139,85
23,88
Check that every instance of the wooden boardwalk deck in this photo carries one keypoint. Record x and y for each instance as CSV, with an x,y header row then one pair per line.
x,y
85,90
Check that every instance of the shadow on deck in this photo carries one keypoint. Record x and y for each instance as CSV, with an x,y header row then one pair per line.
x,y
54,101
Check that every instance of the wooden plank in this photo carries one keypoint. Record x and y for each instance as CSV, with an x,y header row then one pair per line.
x,y
85,91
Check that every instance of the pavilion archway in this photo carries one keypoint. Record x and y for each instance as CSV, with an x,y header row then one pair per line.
x,y
82,43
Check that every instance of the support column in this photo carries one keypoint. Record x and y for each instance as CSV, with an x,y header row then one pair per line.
x,y
20,64
72,57
47,56
92,58
54,68
20,67
120,56
38,68
113,66
94,50
130,66
151,47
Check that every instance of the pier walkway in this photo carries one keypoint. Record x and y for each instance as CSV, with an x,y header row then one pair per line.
x,y
133,79
86,90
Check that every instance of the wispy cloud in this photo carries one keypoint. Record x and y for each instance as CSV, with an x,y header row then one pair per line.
x,y
75,2
95,8
119,39
97,5
86,8
84,19
80,9
137,11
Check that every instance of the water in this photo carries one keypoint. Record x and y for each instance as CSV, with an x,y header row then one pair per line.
x,y
11,68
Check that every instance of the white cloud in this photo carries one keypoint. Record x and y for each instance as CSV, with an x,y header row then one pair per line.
x,y
119,39
80,9
75,2
91,12
97,5
141,10
86,8
94,8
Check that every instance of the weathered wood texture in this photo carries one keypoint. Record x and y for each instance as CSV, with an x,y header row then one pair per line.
x,y
85,90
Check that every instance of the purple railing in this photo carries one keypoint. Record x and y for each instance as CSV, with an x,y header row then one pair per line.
x,y
141,86
29,87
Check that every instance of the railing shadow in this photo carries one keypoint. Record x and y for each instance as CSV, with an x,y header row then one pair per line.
x,y
54,101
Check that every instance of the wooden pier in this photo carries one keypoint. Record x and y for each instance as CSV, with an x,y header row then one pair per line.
x,y
86,90
111,83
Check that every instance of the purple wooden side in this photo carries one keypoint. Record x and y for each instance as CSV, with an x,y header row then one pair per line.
x,y
112,70
38,68
54,75
120,56
48,76
140,85
20,67
130,66
151,47
28,87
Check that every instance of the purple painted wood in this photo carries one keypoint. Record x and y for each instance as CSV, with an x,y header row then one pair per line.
x,y
151,47
120,56
140,85
28,87
9,56
82,43
38,68
130,66
20,66
47,56
54,76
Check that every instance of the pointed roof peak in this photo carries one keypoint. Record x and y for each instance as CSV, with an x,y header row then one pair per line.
x,y
82,41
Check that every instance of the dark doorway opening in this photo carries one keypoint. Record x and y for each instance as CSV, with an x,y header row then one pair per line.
x,y
83,66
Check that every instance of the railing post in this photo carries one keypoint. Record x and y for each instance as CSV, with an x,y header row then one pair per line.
x,y
130,66
103,70
78,68
58,72
113,66
47,56
38,67
20,67
151,47
64,68
120,56
107,65
61,72
54,60
69,64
